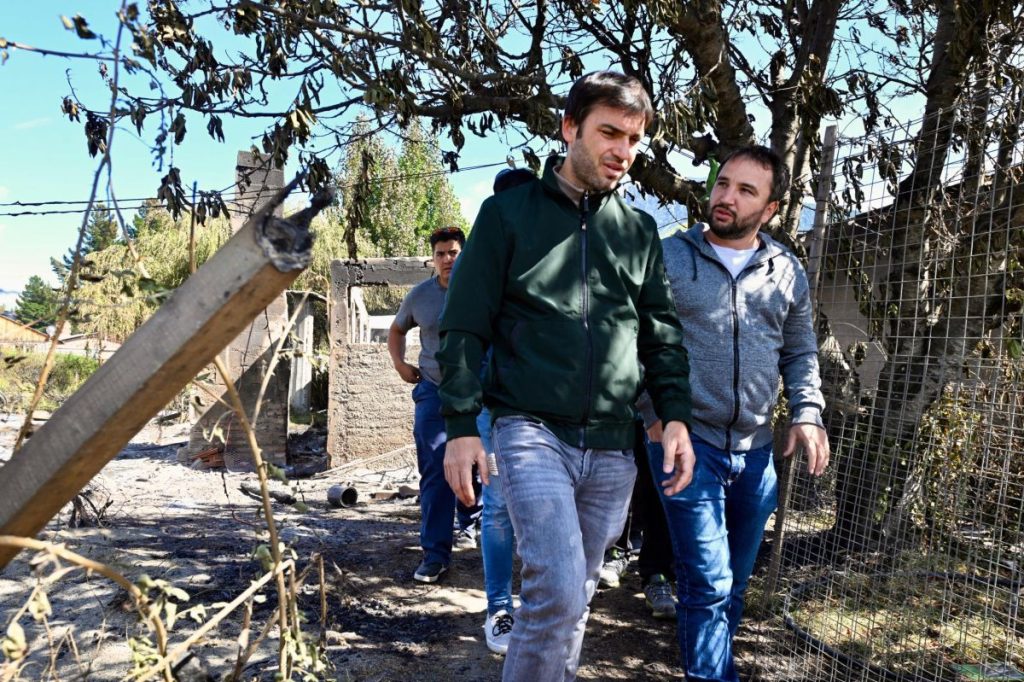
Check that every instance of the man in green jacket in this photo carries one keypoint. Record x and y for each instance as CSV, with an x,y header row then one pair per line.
x,y
566,283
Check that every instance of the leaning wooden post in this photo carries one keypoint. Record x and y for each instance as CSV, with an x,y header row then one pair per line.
x,y
153,365
787,470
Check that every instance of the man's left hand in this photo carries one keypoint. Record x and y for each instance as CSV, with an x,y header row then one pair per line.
x,y
679,457
814,442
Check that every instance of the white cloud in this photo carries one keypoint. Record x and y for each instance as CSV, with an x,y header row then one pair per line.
x,y
33,123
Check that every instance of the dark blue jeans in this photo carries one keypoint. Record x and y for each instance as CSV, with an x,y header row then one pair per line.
x,y
437,501
716,524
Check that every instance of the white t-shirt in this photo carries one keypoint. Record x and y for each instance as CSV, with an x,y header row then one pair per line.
x,y
734,260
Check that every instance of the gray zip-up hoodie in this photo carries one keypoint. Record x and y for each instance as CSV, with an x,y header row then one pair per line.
x,y
741,335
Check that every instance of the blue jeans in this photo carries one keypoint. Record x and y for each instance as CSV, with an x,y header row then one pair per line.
x,y
437,501
496,536
568,505
716,524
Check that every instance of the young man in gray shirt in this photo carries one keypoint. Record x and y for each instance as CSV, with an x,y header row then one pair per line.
x,y
422,308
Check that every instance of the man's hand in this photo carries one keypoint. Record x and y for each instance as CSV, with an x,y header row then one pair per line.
x,y
678,457
460,454
409,373
654,433
814,441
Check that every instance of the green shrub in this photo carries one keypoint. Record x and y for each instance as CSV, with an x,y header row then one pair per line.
x,y
19,374
69,372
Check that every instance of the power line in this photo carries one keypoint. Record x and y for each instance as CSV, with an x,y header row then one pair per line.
x,y
223,193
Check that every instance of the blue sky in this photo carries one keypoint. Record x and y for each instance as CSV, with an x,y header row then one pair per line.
x,y
45,153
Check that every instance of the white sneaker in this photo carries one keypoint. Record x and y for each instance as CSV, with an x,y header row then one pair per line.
x,y
464,539
498,630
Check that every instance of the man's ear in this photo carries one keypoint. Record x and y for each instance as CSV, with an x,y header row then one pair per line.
x,y
769,212
569,129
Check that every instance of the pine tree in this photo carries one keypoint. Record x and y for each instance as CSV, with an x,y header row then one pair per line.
x,y
429,198
101,232
37,304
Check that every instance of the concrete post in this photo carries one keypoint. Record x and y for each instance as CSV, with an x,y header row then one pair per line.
x,y
248,357
302,368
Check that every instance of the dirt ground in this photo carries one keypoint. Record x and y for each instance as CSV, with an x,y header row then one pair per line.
x,y
197,529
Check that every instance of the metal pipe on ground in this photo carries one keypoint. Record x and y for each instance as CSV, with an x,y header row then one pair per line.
x,y
342,496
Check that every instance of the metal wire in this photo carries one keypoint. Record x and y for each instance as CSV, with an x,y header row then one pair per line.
x,y
906,561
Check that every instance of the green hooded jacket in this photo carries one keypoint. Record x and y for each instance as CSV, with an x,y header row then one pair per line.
x,y
571,300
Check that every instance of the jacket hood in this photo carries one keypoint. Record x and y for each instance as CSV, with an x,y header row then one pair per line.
x,y
767,251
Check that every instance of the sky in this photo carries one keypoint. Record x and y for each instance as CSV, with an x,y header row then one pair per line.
x,y
45,156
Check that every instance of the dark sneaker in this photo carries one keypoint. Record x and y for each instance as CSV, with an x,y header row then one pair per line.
x,y
429,572
498,630
465,538
659,597
615,561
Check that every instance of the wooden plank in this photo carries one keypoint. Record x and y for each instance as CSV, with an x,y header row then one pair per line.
x,y
153,365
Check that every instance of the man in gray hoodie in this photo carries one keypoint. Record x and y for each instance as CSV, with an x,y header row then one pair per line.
x,y
745,309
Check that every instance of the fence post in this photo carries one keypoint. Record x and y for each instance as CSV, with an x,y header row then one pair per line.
x,y
814,251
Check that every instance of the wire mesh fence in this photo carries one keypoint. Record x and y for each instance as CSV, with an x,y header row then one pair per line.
x,y
906,562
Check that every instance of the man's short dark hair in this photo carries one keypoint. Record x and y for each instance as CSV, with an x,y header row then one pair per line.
x,y
507,178
770,160
446,234
610,89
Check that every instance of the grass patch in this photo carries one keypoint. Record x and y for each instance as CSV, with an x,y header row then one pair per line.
x,y
914,620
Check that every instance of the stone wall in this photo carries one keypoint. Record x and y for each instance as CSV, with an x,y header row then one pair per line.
x,y
369,408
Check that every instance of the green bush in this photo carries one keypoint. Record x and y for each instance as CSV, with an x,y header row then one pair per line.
x,y
70,371
19,374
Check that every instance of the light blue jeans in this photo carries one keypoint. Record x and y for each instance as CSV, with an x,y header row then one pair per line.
x,y
496,536
716,524
568,505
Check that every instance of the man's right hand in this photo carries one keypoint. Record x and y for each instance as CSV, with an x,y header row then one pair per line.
x,y
679,459
460,454
409,373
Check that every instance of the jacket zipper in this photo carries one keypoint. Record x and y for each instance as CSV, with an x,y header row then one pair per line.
x,y
735,353
585,293
735,368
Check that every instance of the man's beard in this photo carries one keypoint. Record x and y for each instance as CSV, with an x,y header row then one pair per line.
x,y
589,174
734,229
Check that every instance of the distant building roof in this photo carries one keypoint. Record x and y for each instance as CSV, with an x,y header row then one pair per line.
x,y
12,330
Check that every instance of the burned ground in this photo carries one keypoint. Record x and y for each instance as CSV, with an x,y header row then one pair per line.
x,y
197,530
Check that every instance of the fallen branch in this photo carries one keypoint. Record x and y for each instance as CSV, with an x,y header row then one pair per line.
x,y
138,598
213,622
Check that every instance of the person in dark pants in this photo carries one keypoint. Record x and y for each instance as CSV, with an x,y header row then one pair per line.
x,y
422,308
646,535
